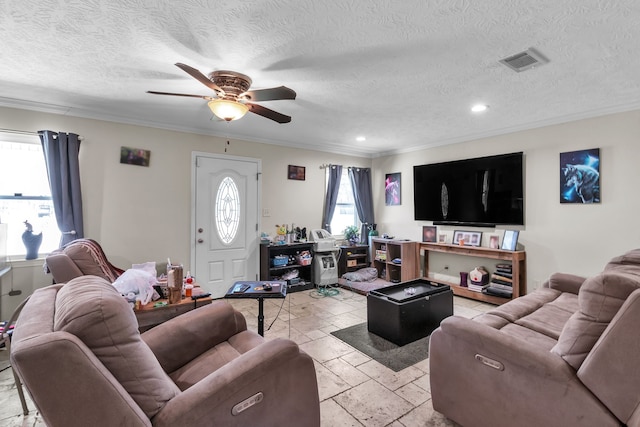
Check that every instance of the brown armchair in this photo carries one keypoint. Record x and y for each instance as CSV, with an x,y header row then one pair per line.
x,y
78,341
80,257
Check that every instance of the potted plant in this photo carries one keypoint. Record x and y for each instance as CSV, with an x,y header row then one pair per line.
x,y
351,233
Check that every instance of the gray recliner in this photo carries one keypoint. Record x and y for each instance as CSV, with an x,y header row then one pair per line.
x,y
78,351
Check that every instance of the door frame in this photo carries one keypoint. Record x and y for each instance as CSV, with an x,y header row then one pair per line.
x,y
192,234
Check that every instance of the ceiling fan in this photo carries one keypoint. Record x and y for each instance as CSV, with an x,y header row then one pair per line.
x,y
232,97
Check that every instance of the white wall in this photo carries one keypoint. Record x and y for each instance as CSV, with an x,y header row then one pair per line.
x,y
127,209
143,214
557,237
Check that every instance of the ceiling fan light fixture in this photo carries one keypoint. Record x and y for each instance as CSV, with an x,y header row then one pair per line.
x,y
228,110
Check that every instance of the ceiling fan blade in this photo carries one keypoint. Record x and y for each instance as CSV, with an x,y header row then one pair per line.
x,y
208,98
271,94
269,114
200,77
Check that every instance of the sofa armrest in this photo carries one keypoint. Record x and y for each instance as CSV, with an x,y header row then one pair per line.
x,y
283,375
183,338
62,268
565,282
474,367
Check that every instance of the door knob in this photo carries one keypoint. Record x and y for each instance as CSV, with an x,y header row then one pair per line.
x,y
200,230
200,240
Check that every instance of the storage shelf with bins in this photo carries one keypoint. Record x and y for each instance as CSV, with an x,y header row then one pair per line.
x,y
385,251
517,259
353,258
270,270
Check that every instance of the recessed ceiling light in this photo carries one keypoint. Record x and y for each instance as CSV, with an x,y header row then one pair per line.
x,y
361,138
478,108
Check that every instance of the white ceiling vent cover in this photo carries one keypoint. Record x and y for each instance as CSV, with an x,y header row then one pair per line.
x,y
523,61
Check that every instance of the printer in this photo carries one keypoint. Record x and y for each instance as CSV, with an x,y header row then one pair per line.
x,y
323,241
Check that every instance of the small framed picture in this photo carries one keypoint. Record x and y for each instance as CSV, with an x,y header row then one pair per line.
x,y
442,238
494,241
429,233
134,156
510,240
471,238
296,172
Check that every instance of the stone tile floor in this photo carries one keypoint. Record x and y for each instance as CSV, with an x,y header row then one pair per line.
x,y
355,390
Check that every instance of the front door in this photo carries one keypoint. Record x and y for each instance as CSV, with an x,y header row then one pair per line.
x,y
225,229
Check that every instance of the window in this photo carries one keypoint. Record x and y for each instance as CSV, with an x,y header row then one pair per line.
x,y
345,213
25,196
227,210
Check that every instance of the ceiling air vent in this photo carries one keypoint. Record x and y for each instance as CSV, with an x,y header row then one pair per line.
x,y
522,61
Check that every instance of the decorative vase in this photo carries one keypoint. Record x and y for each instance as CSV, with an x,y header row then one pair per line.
x,y
31,241
464,277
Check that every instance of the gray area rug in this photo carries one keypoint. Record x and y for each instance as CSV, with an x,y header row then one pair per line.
x,y
385,352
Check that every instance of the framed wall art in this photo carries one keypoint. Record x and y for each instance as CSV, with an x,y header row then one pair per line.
x,y
135,156
296,172
580,176
392,189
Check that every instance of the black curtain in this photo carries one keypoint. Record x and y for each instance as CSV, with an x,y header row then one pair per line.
x,y
363,198
333,186
63,169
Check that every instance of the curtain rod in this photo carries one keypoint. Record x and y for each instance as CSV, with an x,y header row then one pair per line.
x,y
26,132
19,132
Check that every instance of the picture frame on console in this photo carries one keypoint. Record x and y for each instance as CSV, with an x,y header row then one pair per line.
x,y
494,241
510,240
429,233
468,238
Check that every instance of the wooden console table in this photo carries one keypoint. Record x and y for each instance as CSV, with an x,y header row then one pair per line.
x,y
516,258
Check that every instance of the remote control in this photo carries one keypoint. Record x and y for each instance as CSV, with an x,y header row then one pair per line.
x,y
195,297
239,288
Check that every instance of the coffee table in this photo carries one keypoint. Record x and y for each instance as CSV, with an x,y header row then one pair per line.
x,y
256,290
403,317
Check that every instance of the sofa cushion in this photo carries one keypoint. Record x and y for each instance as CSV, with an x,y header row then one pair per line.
x,y
90,308
599,300
547,320
531,336
525,305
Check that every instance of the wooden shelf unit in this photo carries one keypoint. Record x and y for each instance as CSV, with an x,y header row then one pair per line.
x,y
516,258
270,272
353,258
407,270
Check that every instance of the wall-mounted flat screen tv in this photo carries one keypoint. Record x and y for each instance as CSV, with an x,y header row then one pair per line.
x,y
483,192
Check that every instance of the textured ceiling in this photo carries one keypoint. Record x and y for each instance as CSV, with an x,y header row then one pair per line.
x,y
403,74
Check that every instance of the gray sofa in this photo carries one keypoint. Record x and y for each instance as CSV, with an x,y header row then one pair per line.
x,y
567,354
78,351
